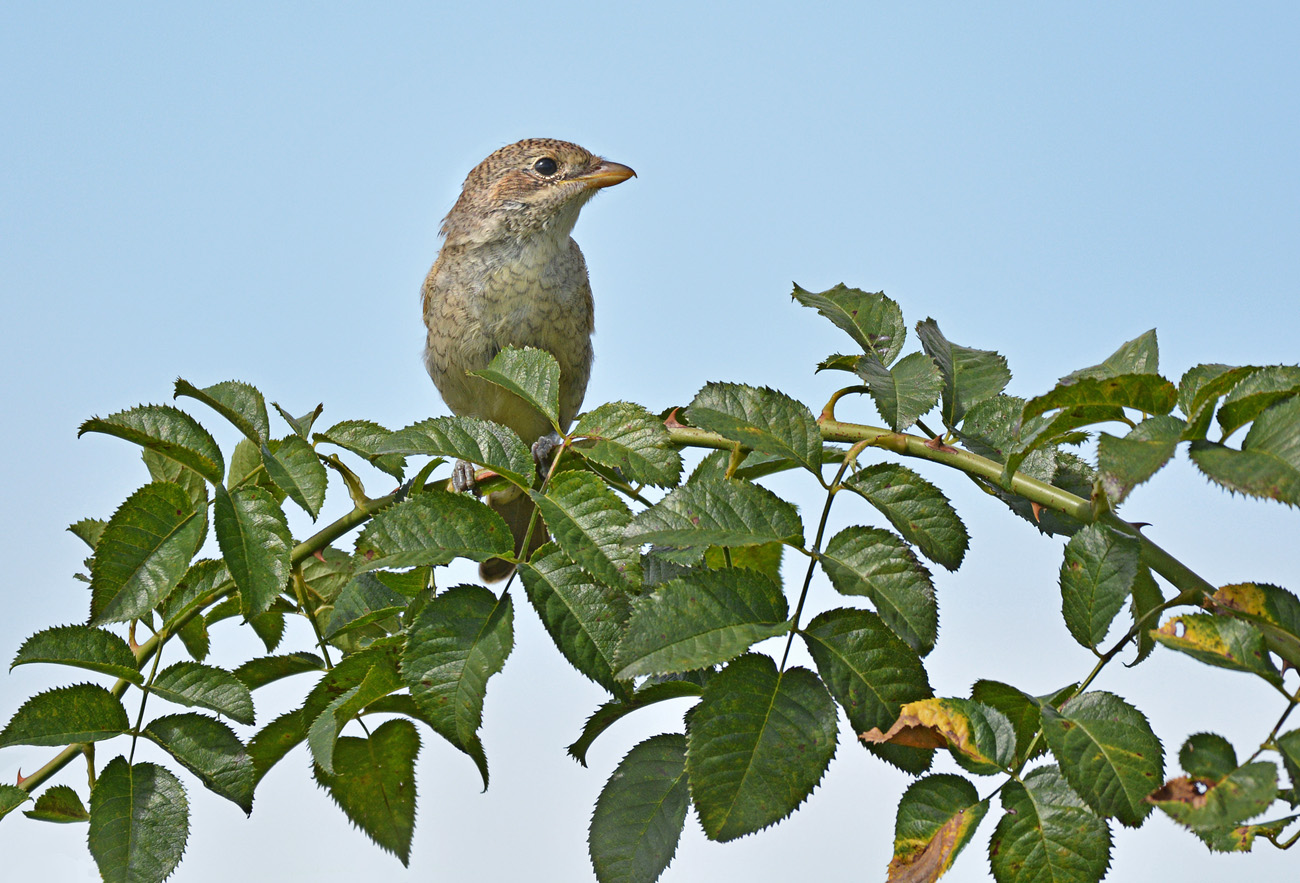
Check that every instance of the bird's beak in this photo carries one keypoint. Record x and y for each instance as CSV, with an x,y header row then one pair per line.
x,y
607,174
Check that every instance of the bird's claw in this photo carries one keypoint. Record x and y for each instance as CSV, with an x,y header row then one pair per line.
x,y
462,476
544,447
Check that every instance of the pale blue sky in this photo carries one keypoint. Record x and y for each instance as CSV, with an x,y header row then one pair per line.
x,y
254,192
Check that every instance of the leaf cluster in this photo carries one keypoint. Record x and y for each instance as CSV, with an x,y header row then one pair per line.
x,y
660,585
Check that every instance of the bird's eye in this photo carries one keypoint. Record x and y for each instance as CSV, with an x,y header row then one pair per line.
x,y
545,166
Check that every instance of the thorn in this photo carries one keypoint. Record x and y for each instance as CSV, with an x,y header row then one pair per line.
x,y
21,778
1038,511
936,444
672,422
319,556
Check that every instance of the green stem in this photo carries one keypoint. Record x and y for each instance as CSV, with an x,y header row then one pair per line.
x,y
816,549
144,697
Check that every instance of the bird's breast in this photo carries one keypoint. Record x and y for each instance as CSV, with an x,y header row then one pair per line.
x,y
534,291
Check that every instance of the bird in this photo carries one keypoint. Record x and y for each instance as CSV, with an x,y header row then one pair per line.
x,y
509,274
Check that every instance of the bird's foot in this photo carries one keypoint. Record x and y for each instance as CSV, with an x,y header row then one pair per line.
x,y
462,476
544,448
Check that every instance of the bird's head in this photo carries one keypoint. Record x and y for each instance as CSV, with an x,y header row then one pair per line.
x,y
533,186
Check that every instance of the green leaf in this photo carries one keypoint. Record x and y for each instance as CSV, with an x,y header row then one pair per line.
x,y
88,530
584,618
1017,707
12,797
529,373
873,562
472,439
1147,598
434,527
1200,388
143,553
1149,393
363,601
937,816
139,822
269,626
1107,753
640,813
168,431
762,419
1044,435
870,318
765,558
1241,838
210,750
162,469
990,430
238,402
277,738
246,469
969,375
328,573
322,735
296,470
205,686
1096,578
374,784
366,439
705,618
84,647
460,639
1268,464
1048,834
980,738
1207,756
267,669
904,392
1272,610
58,803
1221,641
1127,462
205,581
195,637
615,710
1255,394
1219,802
917,509
725,512
63,715
1288,745
872,674
255,542
757,745
838,362
301,426
629,438
588,521
1138,356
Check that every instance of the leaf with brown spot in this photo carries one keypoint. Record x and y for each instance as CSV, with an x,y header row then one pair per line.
x,y
981,738
937,816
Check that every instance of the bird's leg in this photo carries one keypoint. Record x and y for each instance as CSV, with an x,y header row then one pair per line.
x,y
462,476
544,447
